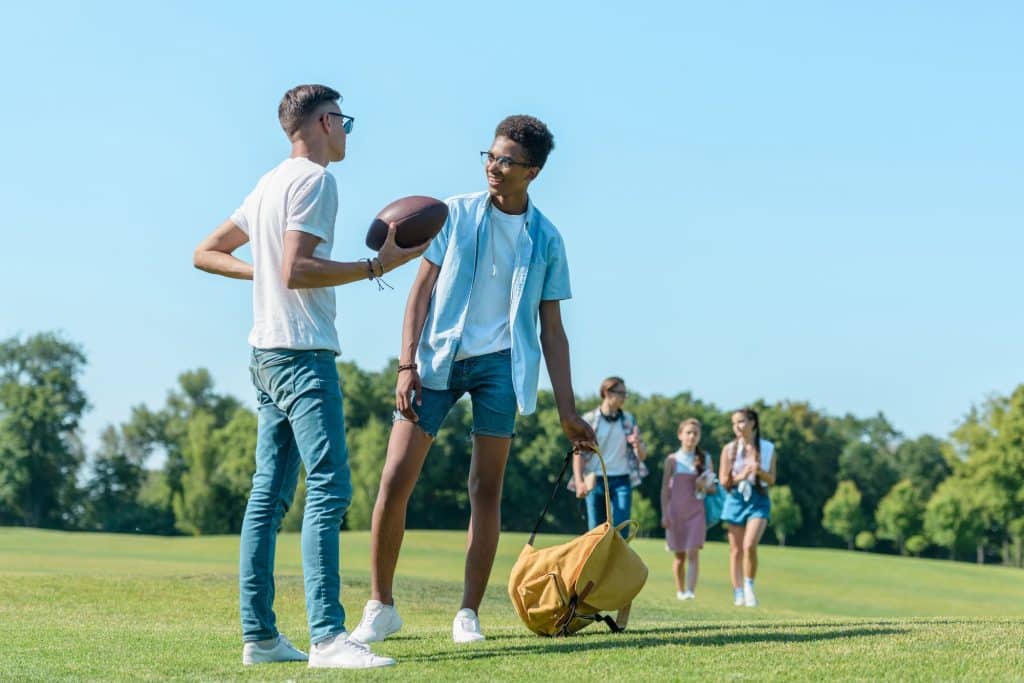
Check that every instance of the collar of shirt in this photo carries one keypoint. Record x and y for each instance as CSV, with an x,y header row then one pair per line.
x,y
540,273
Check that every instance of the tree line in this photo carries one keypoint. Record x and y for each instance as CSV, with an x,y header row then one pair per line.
x,y
843,479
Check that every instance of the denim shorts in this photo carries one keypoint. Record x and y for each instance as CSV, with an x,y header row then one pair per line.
x,y
488,379
738,511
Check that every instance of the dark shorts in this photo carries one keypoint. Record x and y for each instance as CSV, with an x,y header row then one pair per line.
x,y
488,379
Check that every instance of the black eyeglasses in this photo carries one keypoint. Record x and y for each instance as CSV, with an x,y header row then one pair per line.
x,y
504,162
347,122
618,392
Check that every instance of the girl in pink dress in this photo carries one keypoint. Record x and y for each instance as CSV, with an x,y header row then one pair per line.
x,y
689,475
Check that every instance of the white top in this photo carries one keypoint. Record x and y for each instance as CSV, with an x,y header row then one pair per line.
x,y
686,463
767,452
490,302
611,439
297,195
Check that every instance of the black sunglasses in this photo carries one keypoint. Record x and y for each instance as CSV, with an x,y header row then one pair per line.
x,y
347,122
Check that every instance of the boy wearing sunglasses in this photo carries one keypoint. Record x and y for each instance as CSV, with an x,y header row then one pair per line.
x,y
289,221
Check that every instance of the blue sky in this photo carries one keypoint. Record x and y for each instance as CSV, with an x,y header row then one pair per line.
x,y
807,201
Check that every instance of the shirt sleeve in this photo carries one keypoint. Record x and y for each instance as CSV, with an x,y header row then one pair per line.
x,y
242,214
439,245
313,206
556,277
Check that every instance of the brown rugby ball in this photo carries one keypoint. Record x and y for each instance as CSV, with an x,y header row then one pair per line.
x,y
418,219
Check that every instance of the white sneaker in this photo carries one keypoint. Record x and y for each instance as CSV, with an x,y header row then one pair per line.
x,y
749,599
342,652
466,627
379,621
738,597
685,595
280,651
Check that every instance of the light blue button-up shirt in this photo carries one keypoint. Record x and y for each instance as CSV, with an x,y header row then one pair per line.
x,y
540,273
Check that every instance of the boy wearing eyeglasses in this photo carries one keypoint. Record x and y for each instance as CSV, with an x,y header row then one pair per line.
x,y
289,221
495,269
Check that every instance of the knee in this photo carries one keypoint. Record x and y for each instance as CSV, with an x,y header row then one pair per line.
x,y
484,490
750,548
329,495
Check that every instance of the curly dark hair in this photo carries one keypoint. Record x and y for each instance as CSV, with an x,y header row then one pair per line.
x,y
529,132
301,101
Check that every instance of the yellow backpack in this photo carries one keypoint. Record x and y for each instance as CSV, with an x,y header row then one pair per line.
x,y
559,590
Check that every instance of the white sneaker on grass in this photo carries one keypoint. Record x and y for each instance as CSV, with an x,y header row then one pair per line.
x,y
685,595
270,651
466,627
749,599
737,595
379,621
342,652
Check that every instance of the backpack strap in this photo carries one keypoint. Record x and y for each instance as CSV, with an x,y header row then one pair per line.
x,y
558,483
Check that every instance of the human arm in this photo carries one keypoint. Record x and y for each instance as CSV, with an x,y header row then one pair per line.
x,y
215,254
637,442
666,519
577,475
725,469
412,328
556,356
300,269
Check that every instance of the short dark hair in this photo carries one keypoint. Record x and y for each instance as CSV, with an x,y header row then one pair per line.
x,y
529,132
301,101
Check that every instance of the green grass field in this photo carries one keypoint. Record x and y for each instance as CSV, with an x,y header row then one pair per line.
x,y
114,607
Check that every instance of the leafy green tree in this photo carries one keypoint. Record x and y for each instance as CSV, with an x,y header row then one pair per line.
x,y
642,512
218,475
41,404
808,446
924,461
112,491
952,517
842,513
865,540
916,545
1017,534
871,469
991,443
786,515
368,447
899,515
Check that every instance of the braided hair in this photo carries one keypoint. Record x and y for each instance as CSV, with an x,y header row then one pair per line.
x,y
755,447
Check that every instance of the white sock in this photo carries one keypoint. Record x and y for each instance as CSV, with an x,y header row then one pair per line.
x,y
748,583
737,591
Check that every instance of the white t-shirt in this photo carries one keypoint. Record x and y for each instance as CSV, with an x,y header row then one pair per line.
x,y
611,438
487,320
298,194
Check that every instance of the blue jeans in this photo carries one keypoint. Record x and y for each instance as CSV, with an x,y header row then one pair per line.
x,y
488,379
300,419
621,493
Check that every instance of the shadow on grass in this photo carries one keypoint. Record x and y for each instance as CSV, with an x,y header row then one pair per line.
x,y
642,638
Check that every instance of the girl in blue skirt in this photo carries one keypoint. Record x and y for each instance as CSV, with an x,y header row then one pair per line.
x,y
747,470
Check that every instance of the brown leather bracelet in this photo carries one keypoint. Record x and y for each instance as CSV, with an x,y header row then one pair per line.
x,y
408,366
